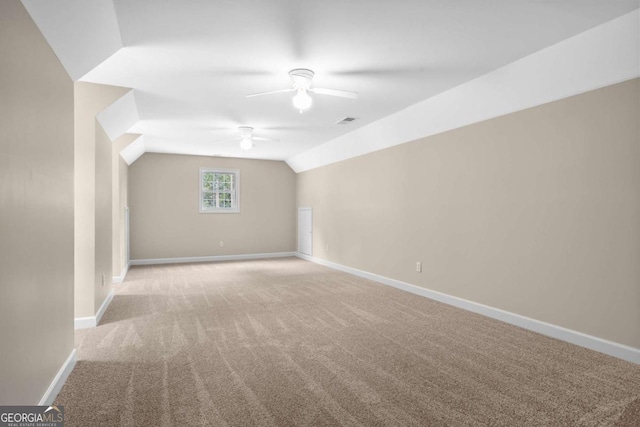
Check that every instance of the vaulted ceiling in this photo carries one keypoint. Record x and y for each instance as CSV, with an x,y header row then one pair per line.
x,y
191,63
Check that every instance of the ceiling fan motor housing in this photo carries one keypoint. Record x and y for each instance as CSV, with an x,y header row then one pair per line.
x,y
245,131
301,78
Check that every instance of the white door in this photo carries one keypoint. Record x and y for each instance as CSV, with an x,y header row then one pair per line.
x,y
305,231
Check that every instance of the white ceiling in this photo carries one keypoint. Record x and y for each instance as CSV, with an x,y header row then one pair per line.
x,y
191,63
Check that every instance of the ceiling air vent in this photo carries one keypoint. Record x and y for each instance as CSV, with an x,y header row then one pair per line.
x,y
345,121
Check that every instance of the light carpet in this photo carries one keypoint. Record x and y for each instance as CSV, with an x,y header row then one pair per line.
x,y
285,342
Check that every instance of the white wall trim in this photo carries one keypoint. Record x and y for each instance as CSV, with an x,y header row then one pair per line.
x,y
181,260
85,322
611,348
602,56
104,306
58,381
122,276
93,321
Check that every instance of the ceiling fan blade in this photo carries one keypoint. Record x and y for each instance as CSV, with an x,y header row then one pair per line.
x,y
258,138
335,92
384,72
226,141
270,92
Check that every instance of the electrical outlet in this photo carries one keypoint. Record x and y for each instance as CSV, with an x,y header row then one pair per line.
x,y
221,244
102,279
419,267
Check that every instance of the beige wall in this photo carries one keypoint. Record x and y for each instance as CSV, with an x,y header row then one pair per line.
x,y
93,168
120,176
36,210
536,213
165,218
123,182
103,232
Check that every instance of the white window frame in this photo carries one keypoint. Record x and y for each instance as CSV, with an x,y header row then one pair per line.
x,y
235,194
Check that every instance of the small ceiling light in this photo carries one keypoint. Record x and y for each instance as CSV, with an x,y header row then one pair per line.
x,y
246,143
302,100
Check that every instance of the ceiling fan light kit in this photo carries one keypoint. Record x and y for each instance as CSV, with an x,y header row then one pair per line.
x,y
301,80
302,101
246,135
246,143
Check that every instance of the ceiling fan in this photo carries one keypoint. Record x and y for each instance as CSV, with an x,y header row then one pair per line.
x,y
246,138
301,80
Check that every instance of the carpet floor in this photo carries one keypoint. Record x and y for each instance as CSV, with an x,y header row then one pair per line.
x,y
285,342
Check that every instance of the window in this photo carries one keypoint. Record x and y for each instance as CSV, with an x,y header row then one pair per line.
x,y
219,190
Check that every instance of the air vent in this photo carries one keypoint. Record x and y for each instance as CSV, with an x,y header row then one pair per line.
x,y
346,120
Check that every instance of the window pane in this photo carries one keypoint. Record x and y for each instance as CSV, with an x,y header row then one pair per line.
x,y
220,182
207,181
225,200
208,200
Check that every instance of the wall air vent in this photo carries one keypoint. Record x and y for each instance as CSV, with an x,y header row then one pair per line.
x,y
345,121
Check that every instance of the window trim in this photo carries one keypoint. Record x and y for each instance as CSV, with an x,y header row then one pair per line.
x,y
235,209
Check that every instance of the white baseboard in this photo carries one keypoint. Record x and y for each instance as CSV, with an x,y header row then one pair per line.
x,y
155,261
93,321
123,274
59,380
611,348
